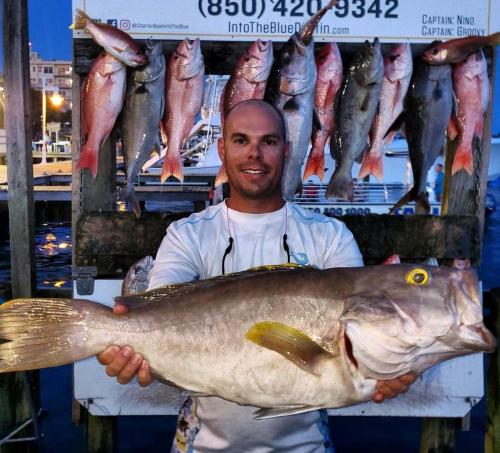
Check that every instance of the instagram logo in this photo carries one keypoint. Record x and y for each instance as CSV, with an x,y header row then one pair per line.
x,y
125,24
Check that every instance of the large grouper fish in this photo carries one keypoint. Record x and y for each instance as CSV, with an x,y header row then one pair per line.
x,y
287,340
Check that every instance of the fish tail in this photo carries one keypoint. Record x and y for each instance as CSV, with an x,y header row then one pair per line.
x,y
41,333
372,165
132,201
340,186
172,166
81,20
463,159
88,159
494,39
409,196
315,166
422,205
221,177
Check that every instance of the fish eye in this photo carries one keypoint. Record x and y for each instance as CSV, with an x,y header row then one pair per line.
x,y
435,51
418,277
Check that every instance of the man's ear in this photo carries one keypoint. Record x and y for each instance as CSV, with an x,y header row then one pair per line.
x,y
220,148
287,149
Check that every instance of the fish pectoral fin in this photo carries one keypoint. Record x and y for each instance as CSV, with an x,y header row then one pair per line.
x,y
278,267
154,154
291,343
398,95
132,301
316,121
271,412
366,103
291,104
396,125
141,89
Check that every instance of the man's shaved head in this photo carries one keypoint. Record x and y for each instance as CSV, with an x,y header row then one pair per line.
x,y
266,106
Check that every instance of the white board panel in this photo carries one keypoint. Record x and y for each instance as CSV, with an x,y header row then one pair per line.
x,y
246,20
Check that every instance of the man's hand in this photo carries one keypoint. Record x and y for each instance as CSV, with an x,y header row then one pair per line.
x,y
391,388
123,363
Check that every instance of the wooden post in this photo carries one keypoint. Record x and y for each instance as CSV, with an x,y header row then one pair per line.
x,y
19,155
14,408
99,194
99,433
438,435
76,181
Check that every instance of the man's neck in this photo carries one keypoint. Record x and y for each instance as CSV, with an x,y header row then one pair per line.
x,y
255,206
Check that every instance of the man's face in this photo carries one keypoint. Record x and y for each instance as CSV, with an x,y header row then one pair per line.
x,y
253,151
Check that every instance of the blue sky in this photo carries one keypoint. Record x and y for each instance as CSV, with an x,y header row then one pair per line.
x,y
49,33
48,29
50,37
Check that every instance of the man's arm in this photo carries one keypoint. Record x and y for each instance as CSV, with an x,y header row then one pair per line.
x,y
177,261
345,253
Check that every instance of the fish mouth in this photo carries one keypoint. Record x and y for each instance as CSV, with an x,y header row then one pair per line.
x,y
372,48
348,351
140,59
478,338
301,47
263,45
478,56
191,43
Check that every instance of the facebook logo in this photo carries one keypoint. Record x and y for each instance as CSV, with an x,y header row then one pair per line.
x,y
113,22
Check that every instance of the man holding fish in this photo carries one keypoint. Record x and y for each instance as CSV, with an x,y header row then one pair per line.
x,y
255,227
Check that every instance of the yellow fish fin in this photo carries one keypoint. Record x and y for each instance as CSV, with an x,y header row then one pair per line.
x,y
277,267
291,343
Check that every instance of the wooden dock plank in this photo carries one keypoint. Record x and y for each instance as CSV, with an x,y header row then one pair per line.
x,y
114,241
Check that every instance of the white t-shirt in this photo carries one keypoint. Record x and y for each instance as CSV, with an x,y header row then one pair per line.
x,y
193,249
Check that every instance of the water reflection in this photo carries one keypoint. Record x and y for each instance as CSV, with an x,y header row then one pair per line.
x,y
53,257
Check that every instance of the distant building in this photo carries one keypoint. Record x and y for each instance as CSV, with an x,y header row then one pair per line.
x,y
57,76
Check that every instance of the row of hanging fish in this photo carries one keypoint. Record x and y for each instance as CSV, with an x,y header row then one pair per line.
x,y
359,112
421,100
155,95
449,91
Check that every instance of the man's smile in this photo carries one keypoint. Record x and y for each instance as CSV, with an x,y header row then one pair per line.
x,y
254,171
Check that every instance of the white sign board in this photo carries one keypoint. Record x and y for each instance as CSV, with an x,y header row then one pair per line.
x,y
246,20
447,390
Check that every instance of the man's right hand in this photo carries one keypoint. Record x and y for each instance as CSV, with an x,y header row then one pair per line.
x,y
123,363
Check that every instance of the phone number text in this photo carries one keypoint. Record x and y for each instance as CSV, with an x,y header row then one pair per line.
x,y
387,9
